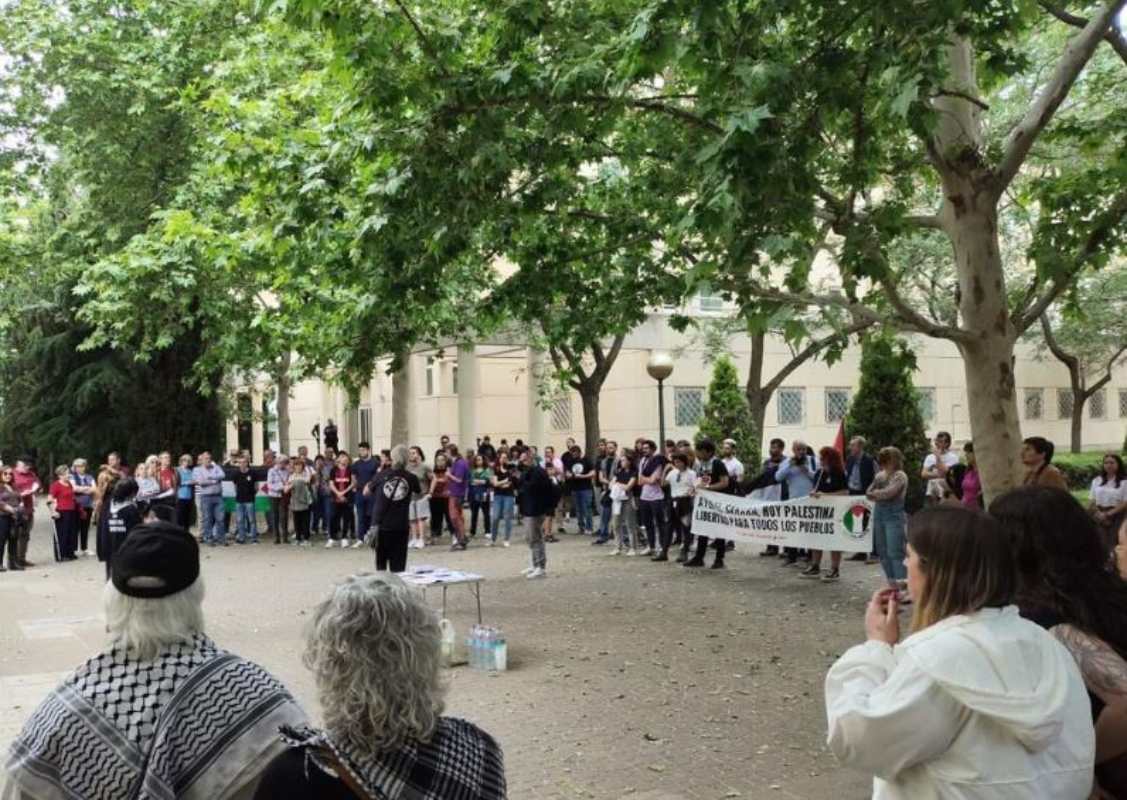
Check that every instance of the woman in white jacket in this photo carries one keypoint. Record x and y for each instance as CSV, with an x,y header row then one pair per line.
x,y
977,702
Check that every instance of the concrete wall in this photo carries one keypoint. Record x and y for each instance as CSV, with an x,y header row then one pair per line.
x,y
501,405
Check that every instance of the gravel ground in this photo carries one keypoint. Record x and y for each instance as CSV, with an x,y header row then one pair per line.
x,y
627,678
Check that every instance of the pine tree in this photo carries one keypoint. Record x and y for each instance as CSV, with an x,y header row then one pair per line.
x,y
726,415
886,409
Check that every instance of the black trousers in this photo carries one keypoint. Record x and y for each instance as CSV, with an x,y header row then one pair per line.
x,y
654,516
184,509
301,525
682,521
66,535
391,551
477,506
83,523
8,539
344,521
702,549
440,510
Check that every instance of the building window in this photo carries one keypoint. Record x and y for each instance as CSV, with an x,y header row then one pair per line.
x,y
366,425
1123,403
1097,405
709,300
927,403
561,414
431,369
1034,403
837,404
688,406
790,406
1064,404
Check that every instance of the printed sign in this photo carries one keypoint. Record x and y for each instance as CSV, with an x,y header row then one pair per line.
x,y
829,522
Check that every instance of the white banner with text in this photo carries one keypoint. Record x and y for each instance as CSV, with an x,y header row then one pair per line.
x,y
829,522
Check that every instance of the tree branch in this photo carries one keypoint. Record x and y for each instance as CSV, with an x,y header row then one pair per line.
x,y
1097,236
809,352
1070,361
424,40
1113,36
1076,55
964,96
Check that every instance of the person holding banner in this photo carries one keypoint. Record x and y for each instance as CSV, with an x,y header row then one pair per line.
x,y
680,479
830,480
711,475
887,493
797,474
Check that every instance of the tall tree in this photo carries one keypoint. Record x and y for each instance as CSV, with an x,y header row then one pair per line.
x,y
726,413
1089,336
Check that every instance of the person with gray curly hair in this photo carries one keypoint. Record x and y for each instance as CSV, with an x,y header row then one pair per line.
x,y
374,650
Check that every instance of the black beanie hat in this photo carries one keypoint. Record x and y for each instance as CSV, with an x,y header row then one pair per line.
x,y
157,559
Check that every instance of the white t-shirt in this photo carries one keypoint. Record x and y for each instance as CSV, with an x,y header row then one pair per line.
x,y
1108,495
680,482
936,486
734,467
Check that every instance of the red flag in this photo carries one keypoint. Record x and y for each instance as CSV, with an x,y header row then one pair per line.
x,y
839,442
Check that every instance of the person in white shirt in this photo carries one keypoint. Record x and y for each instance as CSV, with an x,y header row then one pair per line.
x,y
978,702
734,466
680,480
935,467
1109,497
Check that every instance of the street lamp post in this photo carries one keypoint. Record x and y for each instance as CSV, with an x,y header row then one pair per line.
x,y
660,367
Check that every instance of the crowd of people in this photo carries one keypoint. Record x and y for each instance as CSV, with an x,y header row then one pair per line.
x,y
636,500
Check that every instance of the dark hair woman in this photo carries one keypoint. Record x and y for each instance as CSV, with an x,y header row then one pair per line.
x,y
830,479
1066,584
1109,497
976,698
11,507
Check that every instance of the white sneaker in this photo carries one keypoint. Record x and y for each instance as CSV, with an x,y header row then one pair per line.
x,y
616,552
358,544
645,551
89,552
528,570
507,543
329,544
488,541
537,573
631,552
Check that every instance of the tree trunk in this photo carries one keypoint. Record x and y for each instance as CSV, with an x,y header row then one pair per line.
x,y
757,395
988,354
401,402
589,395
1079,400
282,405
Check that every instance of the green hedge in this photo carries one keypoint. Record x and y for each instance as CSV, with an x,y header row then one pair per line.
x,y
1079,468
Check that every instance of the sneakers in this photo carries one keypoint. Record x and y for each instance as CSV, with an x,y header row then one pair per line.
x,y
831,576
329,544
358,543
488,541
645,551
616,552
717,564
694,562
682,557
507,543
537,573
527,571
598,541
812,572
631,552
660,557
88,553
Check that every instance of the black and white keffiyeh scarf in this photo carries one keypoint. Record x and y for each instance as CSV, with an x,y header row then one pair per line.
x,y
195,722
460,762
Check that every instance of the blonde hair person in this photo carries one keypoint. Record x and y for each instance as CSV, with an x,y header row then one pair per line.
x,y
373,649
978,702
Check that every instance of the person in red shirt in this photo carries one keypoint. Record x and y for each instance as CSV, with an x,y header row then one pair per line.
x,y
64,510
341,488
26,483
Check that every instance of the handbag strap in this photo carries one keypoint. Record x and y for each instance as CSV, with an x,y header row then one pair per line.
x,y
329,757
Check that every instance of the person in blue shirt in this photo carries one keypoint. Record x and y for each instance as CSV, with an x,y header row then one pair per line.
x,y
185,493
797,473
364,470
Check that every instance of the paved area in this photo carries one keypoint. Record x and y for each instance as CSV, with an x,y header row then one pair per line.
x,y
627,678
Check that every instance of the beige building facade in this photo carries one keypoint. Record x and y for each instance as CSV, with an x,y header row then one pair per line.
x,y
467,392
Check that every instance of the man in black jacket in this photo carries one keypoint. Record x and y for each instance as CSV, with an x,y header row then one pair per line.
x,y
392,491
860,469
537,501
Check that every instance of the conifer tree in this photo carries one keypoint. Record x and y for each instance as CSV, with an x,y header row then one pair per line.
x,y
726,415
886,409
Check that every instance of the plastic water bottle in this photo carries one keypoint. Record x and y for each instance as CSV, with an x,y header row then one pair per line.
x,y
487,650
472,646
